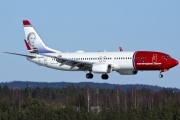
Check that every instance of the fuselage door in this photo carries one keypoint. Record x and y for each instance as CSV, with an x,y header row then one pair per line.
x,y
155,65
154,58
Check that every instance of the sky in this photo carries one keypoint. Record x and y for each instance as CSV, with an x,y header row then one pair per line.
x,y
91,26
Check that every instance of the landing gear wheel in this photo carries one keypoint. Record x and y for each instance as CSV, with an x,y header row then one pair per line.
x,y
89,75
160,75
104,76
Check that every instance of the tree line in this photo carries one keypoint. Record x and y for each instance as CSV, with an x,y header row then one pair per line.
x,y
87,103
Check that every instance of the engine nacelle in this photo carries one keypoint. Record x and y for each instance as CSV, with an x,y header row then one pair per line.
x,y
128,72
101,68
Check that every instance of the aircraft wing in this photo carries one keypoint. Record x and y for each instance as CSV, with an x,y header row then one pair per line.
x,y
73,63
30,56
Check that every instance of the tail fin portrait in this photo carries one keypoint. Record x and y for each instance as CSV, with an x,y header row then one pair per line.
x,y
33,42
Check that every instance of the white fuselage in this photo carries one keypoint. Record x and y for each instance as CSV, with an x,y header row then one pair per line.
x,y
119,60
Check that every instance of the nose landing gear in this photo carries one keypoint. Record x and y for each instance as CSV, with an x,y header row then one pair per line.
x,y
163,70
160,75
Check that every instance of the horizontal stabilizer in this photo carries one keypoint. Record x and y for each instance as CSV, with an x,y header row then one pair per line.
x,y
31,56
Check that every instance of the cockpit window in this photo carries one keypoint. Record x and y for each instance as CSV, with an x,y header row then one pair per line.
x,y
166,57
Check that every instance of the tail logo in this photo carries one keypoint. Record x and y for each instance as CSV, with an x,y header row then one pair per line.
x,y
31,39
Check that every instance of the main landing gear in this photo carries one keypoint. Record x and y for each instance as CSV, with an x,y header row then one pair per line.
x,y
90,76
104,76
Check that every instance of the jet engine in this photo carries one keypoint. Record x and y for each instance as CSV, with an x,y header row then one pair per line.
x,y
101,68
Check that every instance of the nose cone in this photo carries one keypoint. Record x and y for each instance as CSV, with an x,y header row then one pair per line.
x,y
175,62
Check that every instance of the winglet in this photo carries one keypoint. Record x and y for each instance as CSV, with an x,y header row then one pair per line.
x,y
27,45
26,23
120,49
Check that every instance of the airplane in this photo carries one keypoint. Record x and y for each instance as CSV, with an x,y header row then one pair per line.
x,y
124,63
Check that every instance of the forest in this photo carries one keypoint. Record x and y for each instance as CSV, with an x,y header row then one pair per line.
x,y
88,103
